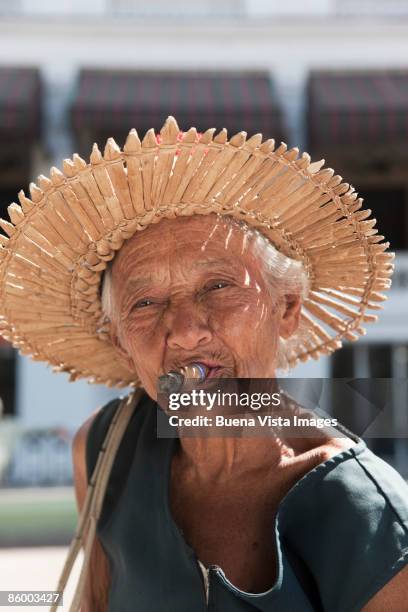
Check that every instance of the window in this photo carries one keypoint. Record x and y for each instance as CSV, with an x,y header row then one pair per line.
x,y
7,196
7,354
7,379
390,208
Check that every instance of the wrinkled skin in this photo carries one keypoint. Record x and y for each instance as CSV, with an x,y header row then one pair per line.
x,y
192,289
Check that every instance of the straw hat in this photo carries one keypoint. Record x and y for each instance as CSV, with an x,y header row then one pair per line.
x,y
60,241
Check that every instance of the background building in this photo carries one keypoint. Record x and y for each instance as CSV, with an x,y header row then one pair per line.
x,y
330,76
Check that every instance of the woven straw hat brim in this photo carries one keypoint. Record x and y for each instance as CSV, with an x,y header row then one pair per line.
x,y
60,241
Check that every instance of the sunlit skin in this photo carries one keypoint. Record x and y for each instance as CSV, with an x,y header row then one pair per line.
x,y
192,289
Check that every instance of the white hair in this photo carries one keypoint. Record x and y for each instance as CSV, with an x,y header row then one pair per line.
x,y
284,276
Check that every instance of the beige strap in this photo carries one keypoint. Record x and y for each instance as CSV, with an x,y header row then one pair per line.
x,y
92,507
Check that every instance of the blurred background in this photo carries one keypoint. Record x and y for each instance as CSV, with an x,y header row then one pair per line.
x,y
328,76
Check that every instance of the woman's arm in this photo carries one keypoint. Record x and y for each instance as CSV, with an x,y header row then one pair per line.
x,y
393,597
96,591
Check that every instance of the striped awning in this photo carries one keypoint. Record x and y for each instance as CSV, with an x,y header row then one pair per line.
x,y
20,103
111,102
357,108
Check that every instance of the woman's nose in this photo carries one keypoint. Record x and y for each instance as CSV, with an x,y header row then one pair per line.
x,y
187,327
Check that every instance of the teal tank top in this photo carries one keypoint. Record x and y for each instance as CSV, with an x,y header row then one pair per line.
x,y
341,532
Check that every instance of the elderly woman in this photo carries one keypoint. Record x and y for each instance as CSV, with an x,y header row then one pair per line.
x,y
222,523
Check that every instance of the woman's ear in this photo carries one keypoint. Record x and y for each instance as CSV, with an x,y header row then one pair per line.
x,y
290,316
119,348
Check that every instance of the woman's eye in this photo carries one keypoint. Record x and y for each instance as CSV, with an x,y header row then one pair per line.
x,y
142,304
216,286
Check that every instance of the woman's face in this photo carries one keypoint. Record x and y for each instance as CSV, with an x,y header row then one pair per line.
x,y
192,289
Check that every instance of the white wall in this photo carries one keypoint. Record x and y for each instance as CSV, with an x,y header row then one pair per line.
x,y
48,399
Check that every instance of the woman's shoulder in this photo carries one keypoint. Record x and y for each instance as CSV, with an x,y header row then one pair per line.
x,y
358,476
98,424
348,473
348,517
95,430
369,474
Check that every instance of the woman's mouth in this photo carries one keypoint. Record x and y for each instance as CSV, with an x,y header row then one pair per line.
x,y
209,370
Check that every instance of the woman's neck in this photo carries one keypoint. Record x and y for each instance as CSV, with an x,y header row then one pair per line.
x,y
221,459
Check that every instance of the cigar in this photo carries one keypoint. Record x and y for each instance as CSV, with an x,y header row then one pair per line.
x,y
173,381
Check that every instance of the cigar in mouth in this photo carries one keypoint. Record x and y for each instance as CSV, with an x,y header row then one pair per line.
x,y
173,381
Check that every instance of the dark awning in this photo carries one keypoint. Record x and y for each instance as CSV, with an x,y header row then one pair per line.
x,y
20,102
358,108
112,102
